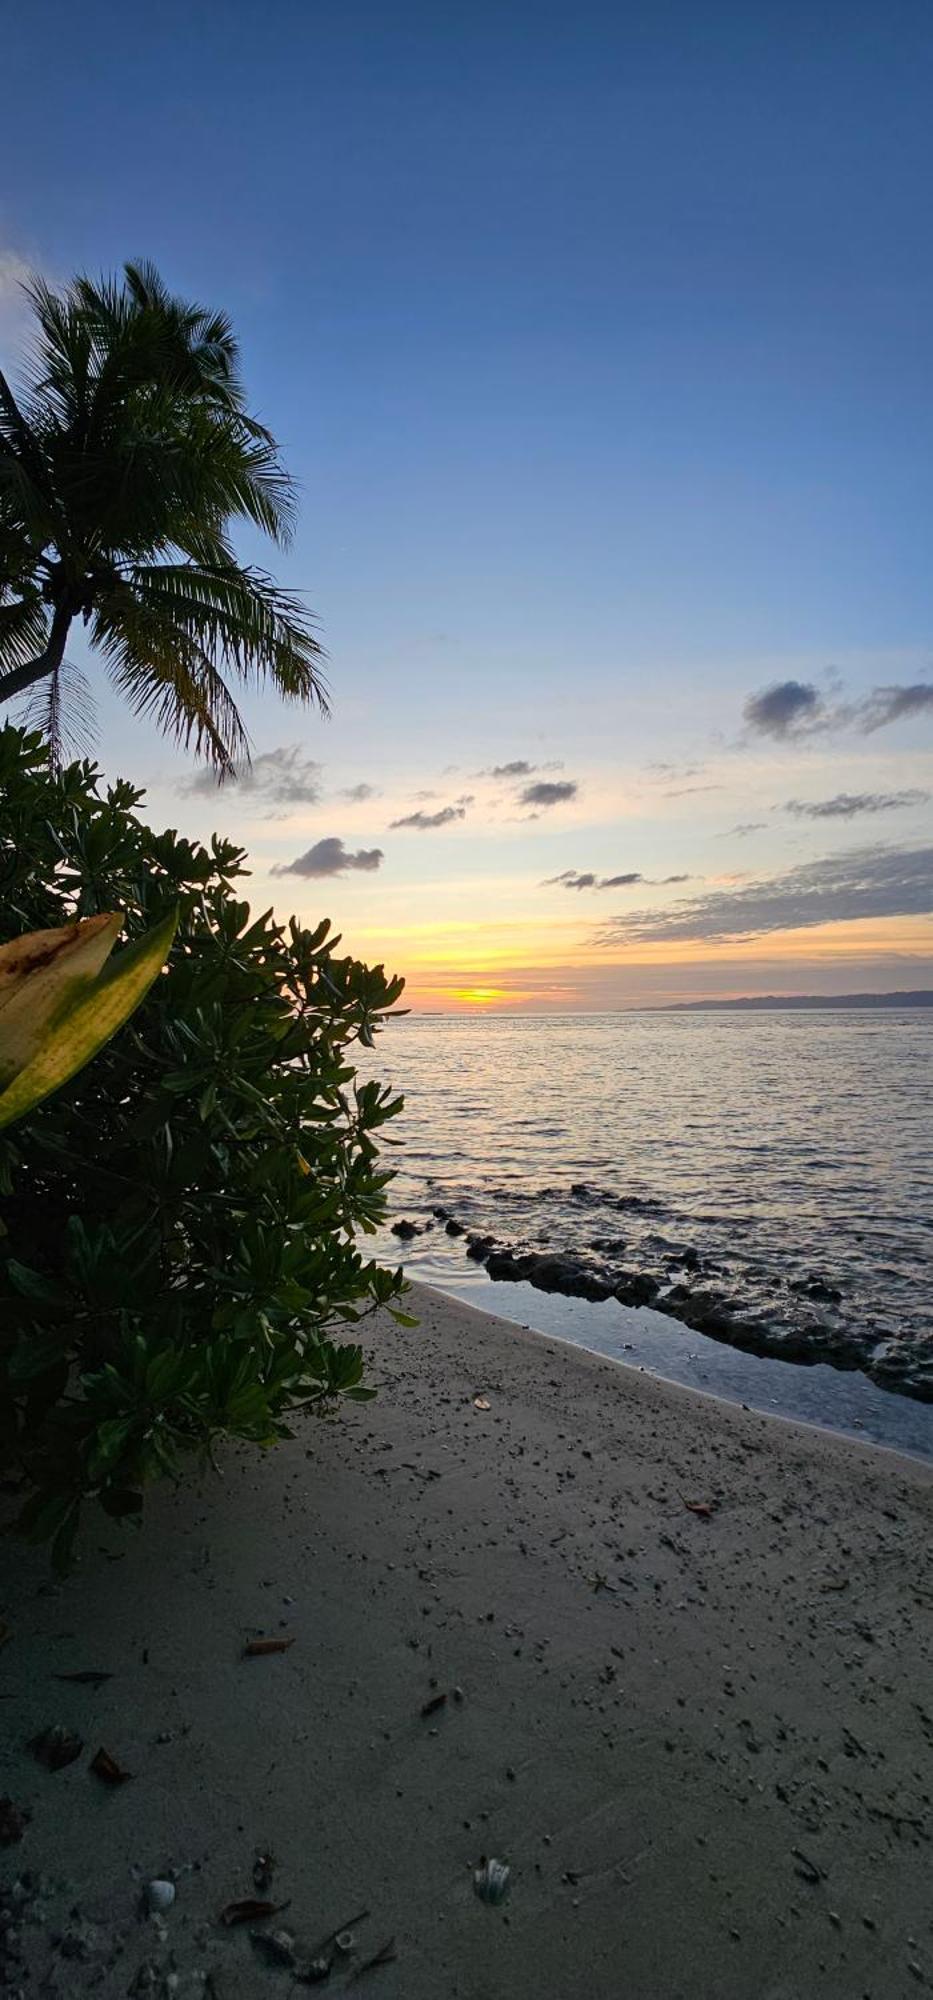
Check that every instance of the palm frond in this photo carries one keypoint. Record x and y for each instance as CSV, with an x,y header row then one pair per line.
x,y
24,626
259,630
62,708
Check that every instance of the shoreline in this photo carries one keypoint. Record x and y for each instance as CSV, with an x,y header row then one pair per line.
x,y
652,1712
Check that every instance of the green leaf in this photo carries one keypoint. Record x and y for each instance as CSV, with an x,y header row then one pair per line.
x,y
88,1021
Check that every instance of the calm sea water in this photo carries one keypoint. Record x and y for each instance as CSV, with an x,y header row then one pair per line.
x,y
783,1147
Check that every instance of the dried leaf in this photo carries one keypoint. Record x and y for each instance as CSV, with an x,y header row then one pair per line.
x,y
106,1767
55,1747
431,1707
14,1820
89,1678
250,1910
704,1508
256,1648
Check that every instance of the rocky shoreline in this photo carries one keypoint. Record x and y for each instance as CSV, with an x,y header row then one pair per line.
x,y
684,1285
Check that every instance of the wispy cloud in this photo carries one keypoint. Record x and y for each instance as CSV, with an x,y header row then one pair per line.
x,y
331,857
870,882
889,704
358,794
573,878
423,822
849,805
744,828
283,777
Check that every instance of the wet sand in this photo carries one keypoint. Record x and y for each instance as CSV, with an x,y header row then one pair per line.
x,y
702,1740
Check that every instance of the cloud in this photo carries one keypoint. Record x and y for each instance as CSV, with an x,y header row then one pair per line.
x,y
14,274
330,857
786,709
283,777
791,710
572,878
517,769
888,704
846,805
423,822
358,794
744,828
869,882
547,793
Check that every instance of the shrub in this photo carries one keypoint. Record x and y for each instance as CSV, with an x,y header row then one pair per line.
x,y
178,1225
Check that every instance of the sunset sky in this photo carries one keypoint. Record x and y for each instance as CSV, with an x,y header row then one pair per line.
x,y
601,342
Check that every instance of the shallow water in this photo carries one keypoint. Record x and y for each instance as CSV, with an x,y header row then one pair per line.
x,y
783,1147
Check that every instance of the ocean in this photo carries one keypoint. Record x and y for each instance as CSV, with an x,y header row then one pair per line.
x,y
779,1163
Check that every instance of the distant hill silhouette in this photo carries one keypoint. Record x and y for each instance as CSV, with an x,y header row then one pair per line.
x,y
756,1003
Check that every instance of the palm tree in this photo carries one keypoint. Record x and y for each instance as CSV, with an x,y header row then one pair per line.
x,y
124,461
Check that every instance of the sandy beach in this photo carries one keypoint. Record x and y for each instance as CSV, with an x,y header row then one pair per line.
x,y
668,1659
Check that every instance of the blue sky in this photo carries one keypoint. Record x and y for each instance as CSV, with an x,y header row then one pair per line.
x,y
600,342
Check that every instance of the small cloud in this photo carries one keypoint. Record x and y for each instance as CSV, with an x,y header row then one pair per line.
x,y
744,828
570,879
283,777
330,857
518,768
889,704
423,822
549,793
788,708
466,799
848,805
358,794
683,791
574,878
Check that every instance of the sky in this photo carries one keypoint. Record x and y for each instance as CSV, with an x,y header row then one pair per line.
x,y
599,341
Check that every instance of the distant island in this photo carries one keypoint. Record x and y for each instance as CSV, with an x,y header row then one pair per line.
x,y
755,1003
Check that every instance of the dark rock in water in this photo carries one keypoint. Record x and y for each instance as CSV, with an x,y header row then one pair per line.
x,y
816,1288
609,1246
405,1229
478,1247
441,1213
570,1276
504,1265
636,1288
454,1228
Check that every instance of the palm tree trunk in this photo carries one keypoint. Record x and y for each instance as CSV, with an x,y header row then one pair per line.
x,y
20,678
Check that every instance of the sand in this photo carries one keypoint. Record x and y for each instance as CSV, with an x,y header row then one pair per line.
x,y
702,1741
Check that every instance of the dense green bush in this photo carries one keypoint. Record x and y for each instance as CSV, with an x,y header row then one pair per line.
x,y
178,1225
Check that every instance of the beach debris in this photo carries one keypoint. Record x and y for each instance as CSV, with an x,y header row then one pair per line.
x,y
107,1769
431,1706
250,1910
263,1869
88,1678
807,1869
277,1946
256,1649
835,1583
345,1942
704,1508
56,1746
14,1820
491,1880
318,1970
386,1955
481,1403
160,1895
